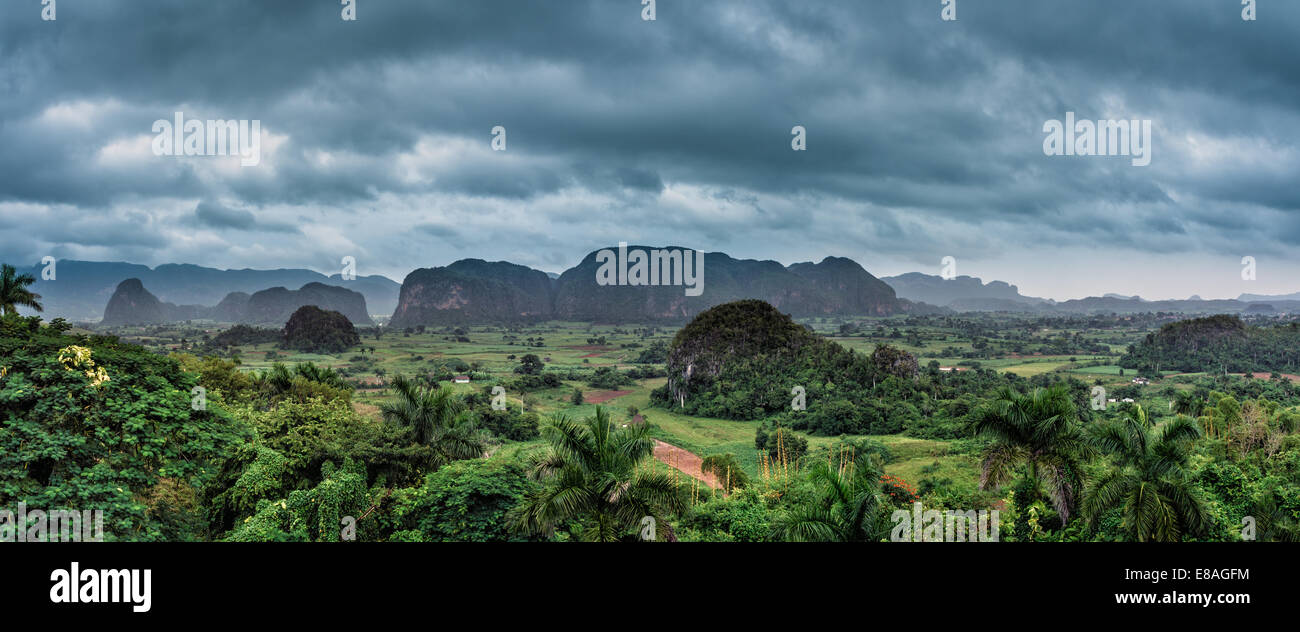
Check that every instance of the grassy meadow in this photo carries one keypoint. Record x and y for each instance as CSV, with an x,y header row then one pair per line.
x,y
491,353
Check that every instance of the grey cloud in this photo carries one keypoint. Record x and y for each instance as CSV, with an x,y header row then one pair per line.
x,y
214,215
925,135
218,216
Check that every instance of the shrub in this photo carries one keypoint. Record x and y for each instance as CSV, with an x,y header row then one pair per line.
x,y
467,501
315,330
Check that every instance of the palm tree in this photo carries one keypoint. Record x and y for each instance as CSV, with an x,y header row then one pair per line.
x,y
590,474
1187,403
1222,417
1148,478
1040,430
846,510
320,374
1275,524
279,379
437,418
14,292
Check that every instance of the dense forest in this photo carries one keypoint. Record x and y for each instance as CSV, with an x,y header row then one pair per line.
x,y
174,446
275,455
311,328
743,360
1222,344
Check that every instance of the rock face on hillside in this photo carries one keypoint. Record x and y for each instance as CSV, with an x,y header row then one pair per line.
x,y
473,290
275,305
847,288
231,309
738,333
476,291
834,286
316,330
132,304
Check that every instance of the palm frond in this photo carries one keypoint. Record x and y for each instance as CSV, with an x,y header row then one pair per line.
x,y
807,524
999,459
1107,491
1062,484
1149,516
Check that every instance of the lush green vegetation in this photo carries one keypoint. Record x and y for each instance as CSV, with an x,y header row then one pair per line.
x,y
244,335
311,328
554,436
1221,344
591,482
90,423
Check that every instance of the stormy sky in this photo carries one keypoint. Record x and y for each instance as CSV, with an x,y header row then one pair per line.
x,y
924,136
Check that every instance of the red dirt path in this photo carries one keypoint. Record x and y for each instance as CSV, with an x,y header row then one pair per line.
x,y
684,461
600,397
1289,376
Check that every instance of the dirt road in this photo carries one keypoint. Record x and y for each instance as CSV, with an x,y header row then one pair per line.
x,y
684,461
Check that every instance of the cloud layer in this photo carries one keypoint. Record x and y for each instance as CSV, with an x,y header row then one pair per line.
x,y
924,136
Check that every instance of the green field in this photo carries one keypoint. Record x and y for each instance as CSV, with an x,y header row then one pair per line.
x,y
917,406
490,355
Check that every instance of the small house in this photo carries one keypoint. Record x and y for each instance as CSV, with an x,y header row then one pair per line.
x,y
461,379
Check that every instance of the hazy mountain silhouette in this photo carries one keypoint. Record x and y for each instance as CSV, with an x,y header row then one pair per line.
x,y
133,304
81,289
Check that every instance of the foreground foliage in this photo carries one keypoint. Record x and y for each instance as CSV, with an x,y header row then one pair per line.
x,y
591,477
89,423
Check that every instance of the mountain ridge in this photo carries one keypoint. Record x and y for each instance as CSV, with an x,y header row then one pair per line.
x,y
472,289
133,304
507,291
967,292
81,289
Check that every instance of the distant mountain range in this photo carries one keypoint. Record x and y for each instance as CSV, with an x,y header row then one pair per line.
x,y
970,294
963,293
133,304
81,289
1258,298
1190,306
474,290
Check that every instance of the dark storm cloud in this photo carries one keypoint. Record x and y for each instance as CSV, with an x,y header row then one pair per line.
x,y
438,230
219,216
215,215
924,136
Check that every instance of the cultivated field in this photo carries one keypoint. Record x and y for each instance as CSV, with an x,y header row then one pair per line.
x,y
490,354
